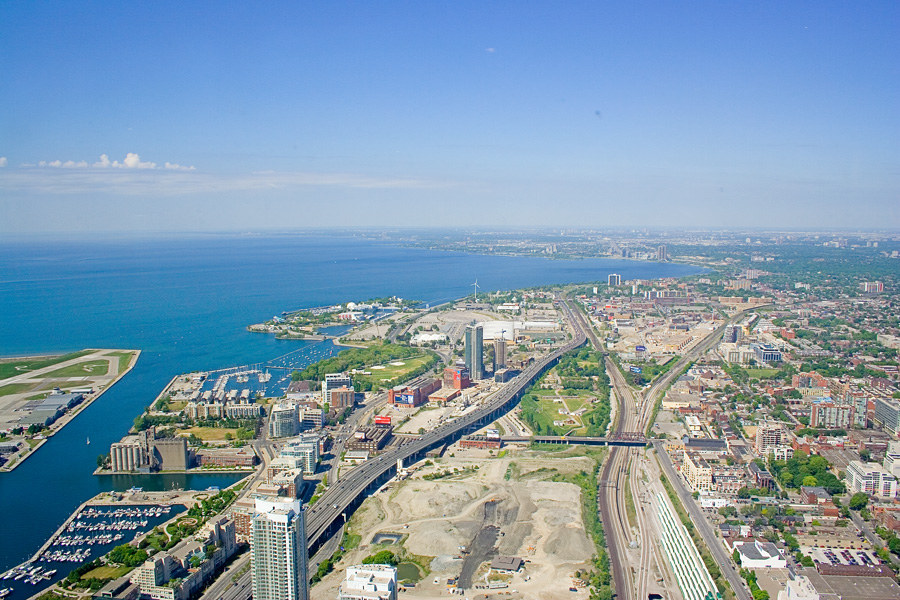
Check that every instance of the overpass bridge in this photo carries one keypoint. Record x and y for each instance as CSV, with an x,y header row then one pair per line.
x,y
340,500
631,440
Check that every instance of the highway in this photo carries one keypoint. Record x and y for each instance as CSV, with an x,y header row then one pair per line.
x,y
341,498
326,518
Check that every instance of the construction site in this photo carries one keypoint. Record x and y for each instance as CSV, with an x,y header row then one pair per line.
x,y
482,523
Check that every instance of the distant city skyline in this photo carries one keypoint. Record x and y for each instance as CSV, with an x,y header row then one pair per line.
x,y
168,117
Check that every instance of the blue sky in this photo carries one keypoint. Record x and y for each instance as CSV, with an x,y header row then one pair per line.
x,y
164,116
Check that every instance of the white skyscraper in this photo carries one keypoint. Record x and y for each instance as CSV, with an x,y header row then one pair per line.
x,y
278,551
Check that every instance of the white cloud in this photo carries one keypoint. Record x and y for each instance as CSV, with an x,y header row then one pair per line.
x,y
3,161
177,167
133,176
177,180
132,160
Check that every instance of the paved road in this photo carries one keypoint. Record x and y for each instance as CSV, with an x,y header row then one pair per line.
x,y
344,496
873,537
223,587
719,554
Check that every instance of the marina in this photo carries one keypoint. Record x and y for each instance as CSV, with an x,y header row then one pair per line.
x,y
244,384
90,532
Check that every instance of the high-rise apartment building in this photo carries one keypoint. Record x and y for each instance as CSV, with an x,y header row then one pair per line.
x,y
284,421
278,555
334,381
768,436
474,353
614,279
499,354
306,449
872,287
662,253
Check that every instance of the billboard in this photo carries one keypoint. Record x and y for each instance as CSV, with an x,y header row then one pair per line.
x,y
635,369
382,420
640,348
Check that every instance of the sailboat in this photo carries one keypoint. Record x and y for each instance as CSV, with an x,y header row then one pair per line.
x,y
89,441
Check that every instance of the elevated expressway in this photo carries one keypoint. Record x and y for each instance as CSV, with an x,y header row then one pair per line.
x,y
342,498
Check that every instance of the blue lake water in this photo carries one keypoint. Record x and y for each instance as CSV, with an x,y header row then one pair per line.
x,y
186,302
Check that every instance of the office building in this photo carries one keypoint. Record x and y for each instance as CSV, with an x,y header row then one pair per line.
x,y
766,353
312,418
341,398
456,377
474,353
369,582
415,393
278,555
614,279
872,479
334,381
887,414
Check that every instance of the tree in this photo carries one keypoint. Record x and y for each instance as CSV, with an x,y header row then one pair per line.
x,y
894,545
385,557
810,481
858,501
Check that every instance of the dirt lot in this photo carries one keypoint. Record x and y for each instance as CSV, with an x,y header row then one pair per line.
x,y
536,519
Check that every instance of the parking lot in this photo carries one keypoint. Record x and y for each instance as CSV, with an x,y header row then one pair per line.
x,y
842,556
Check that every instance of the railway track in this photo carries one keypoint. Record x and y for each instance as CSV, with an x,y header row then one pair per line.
x,y
634,415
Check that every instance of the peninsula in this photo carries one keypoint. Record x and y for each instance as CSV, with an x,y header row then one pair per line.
x,y
40,395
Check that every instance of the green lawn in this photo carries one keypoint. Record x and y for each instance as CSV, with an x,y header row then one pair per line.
x,y
124,359
392,371
548,411
209,434
17,367
89,368
106,572
16,388
762,373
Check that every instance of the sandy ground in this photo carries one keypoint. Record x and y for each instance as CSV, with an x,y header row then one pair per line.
x,y
540,521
